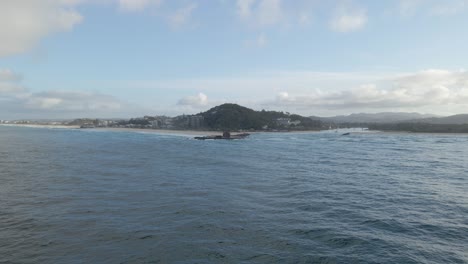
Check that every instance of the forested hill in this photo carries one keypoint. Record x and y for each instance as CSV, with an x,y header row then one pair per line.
x,y
385,117
461,119
236,117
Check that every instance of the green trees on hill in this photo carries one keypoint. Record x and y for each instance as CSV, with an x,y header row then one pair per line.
x,y
231,117
82,121
421,127
236,117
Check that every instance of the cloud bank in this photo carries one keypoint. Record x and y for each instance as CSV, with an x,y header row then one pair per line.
x,y
19,102
429,89
24,22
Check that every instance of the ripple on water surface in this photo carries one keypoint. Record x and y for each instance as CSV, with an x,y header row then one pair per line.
x,y
69,196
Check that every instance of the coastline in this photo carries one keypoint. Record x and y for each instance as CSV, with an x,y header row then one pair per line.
x,y
156,131
194,133
189,133
41,126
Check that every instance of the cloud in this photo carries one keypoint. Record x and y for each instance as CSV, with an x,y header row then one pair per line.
x,y
259,42
9,82
260,13
10,88
137,5
182,16
425,89
244,8
7,75
71,101
269,12
348,19
408,8
18,101
282,97
317,93
329,93
304,19
23,23
61,101
449,7
197,101
63,104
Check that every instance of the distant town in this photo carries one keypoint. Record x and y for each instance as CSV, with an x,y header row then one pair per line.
x,y
146,122
224,117
233,117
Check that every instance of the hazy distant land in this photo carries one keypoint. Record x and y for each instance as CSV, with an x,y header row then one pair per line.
x,y
233,117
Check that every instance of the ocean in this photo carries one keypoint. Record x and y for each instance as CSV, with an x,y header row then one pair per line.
x,y
92,196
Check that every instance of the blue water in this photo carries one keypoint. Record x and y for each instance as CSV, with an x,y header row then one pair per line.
x,y
75,196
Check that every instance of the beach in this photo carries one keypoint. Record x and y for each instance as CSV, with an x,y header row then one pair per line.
x,y
119,129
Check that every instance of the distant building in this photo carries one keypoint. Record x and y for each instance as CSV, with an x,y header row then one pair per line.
x,y
102,123
155,124
195,121
283,121
168,122
295,122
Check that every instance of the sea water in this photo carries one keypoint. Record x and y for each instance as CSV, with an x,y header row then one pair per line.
x,y
79,196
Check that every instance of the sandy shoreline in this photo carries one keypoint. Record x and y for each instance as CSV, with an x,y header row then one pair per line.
x,y
119,129
159,131
194,133
41,126
191,133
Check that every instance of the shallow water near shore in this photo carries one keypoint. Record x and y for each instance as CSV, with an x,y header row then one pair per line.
x,y
76,196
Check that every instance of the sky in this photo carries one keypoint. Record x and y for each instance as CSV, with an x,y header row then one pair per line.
x,y
128,58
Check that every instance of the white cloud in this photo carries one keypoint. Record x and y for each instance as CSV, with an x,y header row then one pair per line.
x,y
261,83
137,5
430,89
282,97
244,8
304,19
7,75
260,13
182,16
194,101
309,93
9,82
269,12
348,19
443,8
10,88
19,102
76,101
259,42
329,93
408,8
24,22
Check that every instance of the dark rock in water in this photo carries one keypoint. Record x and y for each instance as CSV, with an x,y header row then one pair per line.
x,y
226,135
